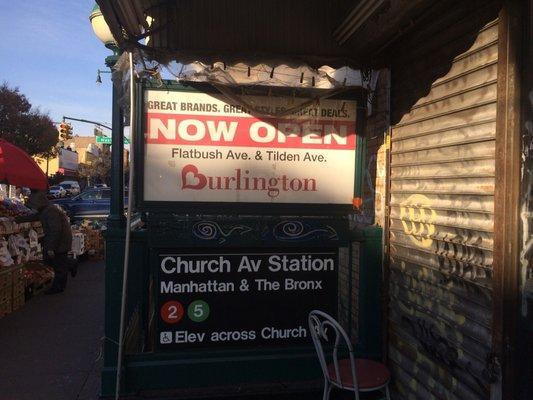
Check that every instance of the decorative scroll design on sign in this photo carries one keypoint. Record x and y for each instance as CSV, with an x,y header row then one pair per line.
x,y
296,230
209,230
440,349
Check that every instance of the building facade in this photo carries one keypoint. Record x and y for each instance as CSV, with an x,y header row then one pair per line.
x,y
447,168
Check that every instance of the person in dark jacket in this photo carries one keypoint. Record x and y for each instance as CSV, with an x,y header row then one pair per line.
x,y
57,240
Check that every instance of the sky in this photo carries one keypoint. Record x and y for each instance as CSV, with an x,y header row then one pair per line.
x,y
49,51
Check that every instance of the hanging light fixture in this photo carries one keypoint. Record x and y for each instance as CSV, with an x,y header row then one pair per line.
x,y
100,27
102,31
99,76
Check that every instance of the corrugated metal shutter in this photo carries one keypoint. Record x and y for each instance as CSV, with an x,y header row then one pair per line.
x,y
441,222
374,177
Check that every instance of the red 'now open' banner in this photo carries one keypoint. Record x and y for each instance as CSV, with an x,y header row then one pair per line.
x,y
214,130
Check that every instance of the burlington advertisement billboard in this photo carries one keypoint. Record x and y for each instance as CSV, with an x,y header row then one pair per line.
x,y
199,148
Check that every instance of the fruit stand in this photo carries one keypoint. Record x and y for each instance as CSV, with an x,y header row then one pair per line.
x,y
22,272
88,239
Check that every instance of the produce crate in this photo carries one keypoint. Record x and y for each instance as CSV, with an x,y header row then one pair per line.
x,y
96,249
6,277
37,278
94,243
41,288
78,244
18,289
6,293
18,274
23,226
12,289
5,307
19,301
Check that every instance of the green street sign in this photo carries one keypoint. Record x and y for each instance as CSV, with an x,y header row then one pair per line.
x,y
107,140
103,139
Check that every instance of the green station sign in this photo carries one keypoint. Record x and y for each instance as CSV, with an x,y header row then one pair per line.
x,y
204,298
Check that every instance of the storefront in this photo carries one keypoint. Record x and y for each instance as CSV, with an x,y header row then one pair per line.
x,y
65,163
265,214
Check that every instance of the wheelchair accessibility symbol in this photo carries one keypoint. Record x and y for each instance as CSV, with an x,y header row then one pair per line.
x,y
165,337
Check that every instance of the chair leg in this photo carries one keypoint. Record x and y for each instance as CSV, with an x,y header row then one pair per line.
x,y
327,390
387,394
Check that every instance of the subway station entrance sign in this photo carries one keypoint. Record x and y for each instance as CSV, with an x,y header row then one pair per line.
x,y
242,298
199,147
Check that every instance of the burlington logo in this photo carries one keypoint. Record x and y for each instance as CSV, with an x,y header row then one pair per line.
x,y
193,179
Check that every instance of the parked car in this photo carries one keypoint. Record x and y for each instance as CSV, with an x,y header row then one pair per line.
x,y
91,204
99,185
56,192
72,187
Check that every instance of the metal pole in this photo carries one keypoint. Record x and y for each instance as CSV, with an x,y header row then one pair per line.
x,y
116,215
128,239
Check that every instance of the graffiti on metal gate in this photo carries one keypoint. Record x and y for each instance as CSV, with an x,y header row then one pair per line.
x,y
442,350
417,219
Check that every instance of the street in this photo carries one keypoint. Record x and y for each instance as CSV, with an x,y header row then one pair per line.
x,y
50,348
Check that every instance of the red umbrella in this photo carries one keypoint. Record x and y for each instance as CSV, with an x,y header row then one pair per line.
x,y
19,169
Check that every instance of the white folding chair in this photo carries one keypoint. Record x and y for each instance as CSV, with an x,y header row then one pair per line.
x,y
352,374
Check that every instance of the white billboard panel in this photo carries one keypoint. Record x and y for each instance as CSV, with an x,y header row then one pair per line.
x,y
199,148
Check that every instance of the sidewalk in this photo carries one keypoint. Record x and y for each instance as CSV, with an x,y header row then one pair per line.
x,y
48,349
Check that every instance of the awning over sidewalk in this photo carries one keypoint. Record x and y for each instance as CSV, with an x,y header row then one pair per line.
x,y
314,32
19,169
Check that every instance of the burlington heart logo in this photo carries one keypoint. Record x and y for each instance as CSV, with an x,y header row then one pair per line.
x,y
191,179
